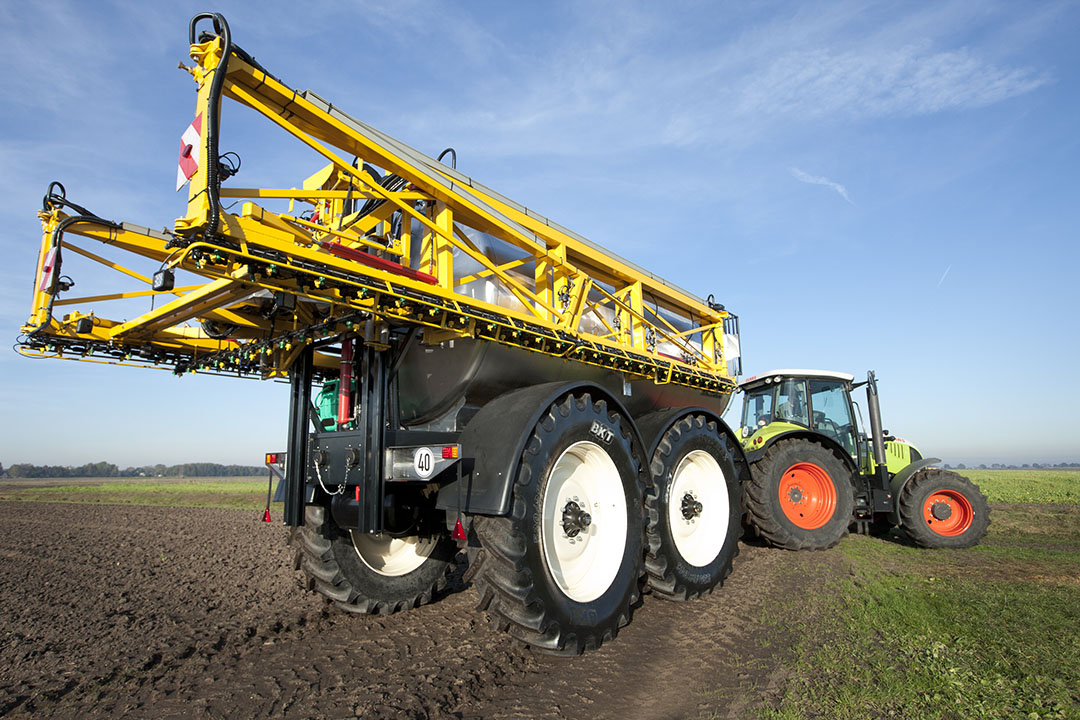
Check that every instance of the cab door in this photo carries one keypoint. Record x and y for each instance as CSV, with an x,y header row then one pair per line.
x,y
830,413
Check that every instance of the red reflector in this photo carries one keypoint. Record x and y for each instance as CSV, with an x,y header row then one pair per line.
x,y
266,515
459,531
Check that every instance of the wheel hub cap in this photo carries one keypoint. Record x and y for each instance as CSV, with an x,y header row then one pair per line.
x,y
574,519
941,511
795,494
691,508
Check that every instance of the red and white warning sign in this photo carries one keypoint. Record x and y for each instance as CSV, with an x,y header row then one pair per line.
x,y
189,152
48,269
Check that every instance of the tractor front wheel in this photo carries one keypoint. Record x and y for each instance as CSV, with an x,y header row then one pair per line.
x,y
800,496
941,509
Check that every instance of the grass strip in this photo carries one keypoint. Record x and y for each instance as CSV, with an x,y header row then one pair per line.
x,y
945,635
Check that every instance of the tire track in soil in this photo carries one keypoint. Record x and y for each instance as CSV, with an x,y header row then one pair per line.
x,y
178,612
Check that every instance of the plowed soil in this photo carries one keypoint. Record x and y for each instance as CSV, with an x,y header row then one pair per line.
x,y
177,613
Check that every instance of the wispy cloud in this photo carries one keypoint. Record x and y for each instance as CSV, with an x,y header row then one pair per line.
x,y
910,80
806,177
944,275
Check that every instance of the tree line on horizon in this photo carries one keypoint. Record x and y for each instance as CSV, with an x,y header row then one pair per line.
x,y
1007,466
109,470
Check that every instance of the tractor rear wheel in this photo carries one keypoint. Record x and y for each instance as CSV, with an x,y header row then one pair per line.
x,y
563,569
694,510
370,574
800,496
941,509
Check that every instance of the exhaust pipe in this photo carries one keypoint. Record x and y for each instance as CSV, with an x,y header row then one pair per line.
x,y
874,408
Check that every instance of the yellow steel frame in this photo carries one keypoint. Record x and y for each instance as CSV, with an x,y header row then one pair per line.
x,y
318,258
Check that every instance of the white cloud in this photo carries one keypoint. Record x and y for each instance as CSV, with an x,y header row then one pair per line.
x,y
806,177
631,80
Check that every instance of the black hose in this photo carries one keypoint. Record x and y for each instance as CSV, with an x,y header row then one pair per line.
x,y
58,233
213,179
453,157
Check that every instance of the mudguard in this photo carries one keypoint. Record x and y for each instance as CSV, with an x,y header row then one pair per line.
x,y
653,426
900,479
493,441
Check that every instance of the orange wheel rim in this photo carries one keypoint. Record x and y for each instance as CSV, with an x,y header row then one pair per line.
x,y
807,495
948,513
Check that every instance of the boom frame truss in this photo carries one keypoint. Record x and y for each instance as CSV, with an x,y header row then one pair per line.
x,y
339,268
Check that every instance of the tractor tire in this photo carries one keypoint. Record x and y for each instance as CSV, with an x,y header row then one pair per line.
x,y
370,574
694,510
941,509
800,496
562,571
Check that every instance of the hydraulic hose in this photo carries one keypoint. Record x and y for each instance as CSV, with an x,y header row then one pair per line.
x,y
51,201
213,175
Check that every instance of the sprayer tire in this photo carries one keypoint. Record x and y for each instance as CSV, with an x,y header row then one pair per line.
x,y
372,575
561,597
687,557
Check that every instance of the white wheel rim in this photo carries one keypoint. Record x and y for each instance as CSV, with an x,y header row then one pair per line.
x,y
392,556
584,566
698,479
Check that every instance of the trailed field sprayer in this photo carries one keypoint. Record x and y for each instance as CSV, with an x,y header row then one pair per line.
x,y
464,373
814,472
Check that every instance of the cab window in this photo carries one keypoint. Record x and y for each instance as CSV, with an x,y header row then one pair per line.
x,y
791,403
758,407
832,413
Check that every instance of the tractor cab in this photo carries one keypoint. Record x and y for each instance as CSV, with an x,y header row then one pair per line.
x,y
784,401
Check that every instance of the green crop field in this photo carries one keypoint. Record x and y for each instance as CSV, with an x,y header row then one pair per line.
x,y
988,632
1028,486
238,494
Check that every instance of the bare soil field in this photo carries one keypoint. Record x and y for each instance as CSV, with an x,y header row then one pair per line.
x,y
183,612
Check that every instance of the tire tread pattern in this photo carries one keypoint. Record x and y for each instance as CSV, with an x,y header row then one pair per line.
x,y
919,486
662,578
505,585
315,557
759,495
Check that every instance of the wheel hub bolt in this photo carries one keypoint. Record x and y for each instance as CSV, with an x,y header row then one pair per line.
x,y
941,511
691,508
574,519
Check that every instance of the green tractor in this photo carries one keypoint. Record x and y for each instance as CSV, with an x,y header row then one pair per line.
x,y
815,475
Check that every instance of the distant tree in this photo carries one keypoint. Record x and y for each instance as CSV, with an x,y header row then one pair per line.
x,y
2,474
961,466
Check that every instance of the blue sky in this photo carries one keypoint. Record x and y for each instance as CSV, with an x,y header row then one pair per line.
x,y
867,185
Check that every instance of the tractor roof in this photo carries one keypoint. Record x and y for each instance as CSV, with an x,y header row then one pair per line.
x,y
787,372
